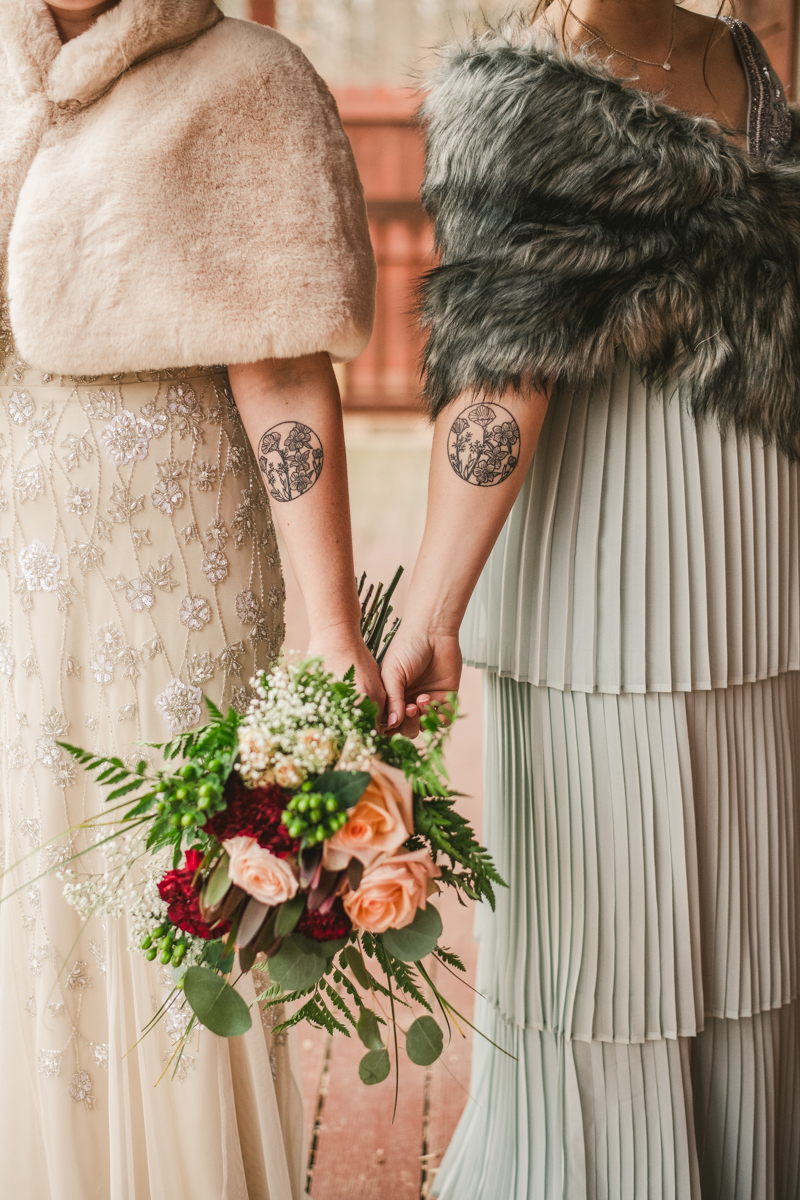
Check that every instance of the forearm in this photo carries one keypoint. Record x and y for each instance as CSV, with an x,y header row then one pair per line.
x,y
477,470
292,414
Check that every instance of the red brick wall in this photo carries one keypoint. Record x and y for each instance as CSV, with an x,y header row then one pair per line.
x,y
390,154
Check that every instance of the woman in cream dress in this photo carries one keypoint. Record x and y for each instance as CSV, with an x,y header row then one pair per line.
x,y
618,293
137,542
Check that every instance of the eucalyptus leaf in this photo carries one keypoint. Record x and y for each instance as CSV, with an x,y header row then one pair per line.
x,y
308,945
215,1003
295,970
289,914
414,941
218,884
374,1067
356,964
253,918
369,1030
424,1041
347,786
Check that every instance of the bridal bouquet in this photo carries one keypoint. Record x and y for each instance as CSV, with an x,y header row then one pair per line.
x,y
297,841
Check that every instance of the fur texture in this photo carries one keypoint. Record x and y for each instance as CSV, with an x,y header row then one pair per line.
x,y
175,189
576,216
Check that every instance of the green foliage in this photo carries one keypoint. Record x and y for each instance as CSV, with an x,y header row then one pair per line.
x,y
215,1003
449,958
424,1041
289,914
471,869
369,1030
182,799
375,612
414,941
218,884
374,1067
294,969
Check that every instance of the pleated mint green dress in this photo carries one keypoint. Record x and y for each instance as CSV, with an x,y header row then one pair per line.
x,y
638,623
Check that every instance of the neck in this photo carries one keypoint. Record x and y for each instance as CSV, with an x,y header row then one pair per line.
x,y
71,22
642,26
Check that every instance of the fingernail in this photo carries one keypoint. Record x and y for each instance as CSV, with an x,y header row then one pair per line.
x,y
393,719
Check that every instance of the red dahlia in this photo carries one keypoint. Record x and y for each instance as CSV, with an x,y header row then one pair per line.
x,y
255,813
182,897
325,927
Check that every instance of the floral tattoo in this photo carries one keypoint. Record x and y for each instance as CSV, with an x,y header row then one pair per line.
x,y
290,457
483,444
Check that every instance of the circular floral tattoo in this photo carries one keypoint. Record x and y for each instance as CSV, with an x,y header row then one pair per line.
x,y
483,444
290,457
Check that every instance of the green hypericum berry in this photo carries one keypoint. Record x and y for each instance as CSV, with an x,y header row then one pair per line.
x,y
331,804
146,942
164,957
151,953
214,765
203,802
177,954
181,793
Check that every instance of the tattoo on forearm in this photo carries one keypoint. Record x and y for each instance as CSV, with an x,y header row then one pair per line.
x,y
290,457
483,444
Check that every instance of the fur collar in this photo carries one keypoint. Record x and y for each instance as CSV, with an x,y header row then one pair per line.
x,y
577,218
86,66
169,199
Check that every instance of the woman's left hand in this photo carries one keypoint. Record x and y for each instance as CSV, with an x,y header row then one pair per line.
x,y
342,648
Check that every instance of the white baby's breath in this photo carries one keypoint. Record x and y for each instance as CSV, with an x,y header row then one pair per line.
x,y
296,726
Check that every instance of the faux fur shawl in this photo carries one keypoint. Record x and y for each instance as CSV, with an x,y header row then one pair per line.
x,y
175,189
576,216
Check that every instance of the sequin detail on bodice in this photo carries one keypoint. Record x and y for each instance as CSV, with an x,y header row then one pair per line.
x,y
769,125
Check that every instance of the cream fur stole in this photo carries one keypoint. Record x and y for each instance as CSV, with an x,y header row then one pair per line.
x,y
176,189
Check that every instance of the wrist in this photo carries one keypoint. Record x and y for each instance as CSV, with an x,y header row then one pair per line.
x,y
436,621
344,629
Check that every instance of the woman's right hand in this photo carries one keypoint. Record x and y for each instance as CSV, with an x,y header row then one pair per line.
x,y
421,667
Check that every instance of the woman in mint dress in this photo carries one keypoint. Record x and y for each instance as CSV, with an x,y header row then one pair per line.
x,y
618,292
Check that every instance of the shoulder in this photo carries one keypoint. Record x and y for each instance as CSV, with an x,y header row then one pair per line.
x,y
244,61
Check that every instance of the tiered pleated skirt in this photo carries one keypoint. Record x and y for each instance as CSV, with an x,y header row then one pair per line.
x,y
642,784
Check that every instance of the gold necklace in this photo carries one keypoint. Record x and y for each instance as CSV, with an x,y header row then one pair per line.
x,y
644,61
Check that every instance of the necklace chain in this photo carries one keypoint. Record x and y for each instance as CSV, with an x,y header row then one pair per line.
x,y
665,65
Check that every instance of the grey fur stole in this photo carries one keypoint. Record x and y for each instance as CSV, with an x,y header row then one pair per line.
x,y
576,216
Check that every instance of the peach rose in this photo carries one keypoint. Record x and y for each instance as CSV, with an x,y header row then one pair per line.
x,y
391,892
378,824
258,872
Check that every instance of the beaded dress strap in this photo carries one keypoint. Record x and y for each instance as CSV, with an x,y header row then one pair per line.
x,y
769,125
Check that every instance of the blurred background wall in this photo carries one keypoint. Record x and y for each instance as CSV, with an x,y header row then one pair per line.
x,y
374,55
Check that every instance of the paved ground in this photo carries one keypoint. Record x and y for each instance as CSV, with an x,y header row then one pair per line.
x,y
356,1152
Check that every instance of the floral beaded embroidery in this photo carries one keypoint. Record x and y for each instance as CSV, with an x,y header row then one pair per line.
x,y
85,449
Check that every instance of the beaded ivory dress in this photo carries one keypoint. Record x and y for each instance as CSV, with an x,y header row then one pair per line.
x,y
639,626
141,571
